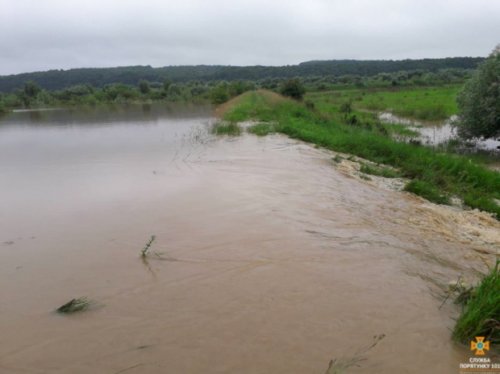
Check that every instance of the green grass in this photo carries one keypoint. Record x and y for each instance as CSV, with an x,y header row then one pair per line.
x,y
449,174
226,128
427,191
261,129
255,104
379,171
424,103
481,313
401,130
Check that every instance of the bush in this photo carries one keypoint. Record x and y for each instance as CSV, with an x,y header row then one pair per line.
x,y
479,101
219,94
144,87
293,88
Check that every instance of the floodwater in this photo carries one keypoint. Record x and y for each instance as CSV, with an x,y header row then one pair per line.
x,y
436,133
268,258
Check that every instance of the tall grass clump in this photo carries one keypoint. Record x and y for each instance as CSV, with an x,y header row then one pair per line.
x,y
226,128
481,313
427,191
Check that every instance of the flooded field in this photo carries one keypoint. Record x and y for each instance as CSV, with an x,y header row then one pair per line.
x,y
437,133
269,257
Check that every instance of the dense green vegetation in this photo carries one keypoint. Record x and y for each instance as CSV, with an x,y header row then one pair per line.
x,y
325,73
293,88
481,313
436,175
479,101
218,84
32,96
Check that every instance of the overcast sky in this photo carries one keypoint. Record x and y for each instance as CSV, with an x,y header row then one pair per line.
x,y
61,34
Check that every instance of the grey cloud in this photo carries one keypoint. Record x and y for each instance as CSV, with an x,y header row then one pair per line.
x,y
54,34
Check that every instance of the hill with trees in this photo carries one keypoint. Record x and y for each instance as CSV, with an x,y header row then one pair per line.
x,y
131,75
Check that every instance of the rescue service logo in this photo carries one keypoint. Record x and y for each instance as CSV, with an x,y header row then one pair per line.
x,y
479,346
479,363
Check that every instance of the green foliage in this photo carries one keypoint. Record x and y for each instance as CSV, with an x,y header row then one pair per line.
x,y
31,89
144,87
12,100
479,102
220,94
481,314
174,91
32,96
238,87
224,91
321,73
74,94
293,88
166,84
3,109
346,107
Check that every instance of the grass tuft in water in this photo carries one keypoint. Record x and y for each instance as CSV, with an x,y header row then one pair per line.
x,y
481,313
339,366
226,128
144,251
74,305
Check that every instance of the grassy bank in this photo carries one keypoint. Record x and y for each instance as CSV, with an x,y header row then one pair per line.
x,y
481,313
436,176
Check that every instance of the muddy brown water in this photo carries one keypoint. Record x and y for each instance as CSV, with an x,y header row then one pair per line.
x,y
268,257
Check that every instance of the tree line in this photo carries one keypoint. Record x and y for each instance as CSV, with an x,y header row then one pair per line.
x,y
32,95
130,75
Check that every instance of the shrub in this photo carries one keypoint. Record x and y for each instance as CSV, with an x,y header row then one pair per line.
x,y
479,101
293,88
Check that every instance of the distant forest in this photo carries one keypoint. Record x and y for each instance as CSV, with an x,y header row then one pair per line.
x,y
131,75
